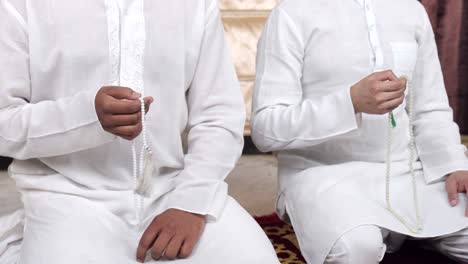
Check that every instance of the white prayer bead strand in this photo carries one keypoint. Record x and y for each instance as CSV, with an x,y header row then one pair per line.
x,y
412,152
143,133
146,164
143,124
139,161
135,182
418,227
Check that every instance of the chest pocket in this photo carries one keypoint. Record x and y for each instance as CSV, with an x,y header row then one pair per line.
x,y
405,55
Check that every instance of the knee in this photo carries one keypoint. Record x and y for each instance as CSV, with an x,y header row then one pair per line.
x,y
258,250
256,254
363,245
454,247
264,256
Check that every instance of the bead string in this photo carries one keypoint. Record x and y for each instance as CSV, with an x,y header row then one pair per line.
x,y
135,182
143,125
118,41
418,228
139,161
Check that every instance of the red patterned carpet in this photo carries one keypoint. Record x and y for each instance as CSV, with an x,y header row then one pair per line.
x,y
285,242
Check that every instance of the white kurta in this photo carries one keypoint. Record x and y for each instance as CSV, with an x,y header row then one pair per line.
x,y
332,161
54,57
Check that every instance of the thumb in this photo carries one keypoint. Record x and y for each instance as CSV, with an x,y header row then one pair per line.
x,y
404,80
148,101
122,93
451,187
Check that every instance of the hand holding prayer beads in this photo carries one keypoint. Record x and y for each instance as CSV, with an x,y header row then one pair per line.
x,y
378,93
119,111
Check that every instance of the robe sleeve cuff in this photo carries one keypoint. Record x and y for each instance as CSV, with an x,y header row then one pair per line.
x,y
81,122
73,113
440,163
349,119
341,116
203,198
54,128
99,134
351,114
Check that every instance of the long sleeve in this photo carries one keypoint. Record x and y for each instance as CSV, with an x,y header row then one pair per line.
x,y
215,126
282,118
43,129
437,137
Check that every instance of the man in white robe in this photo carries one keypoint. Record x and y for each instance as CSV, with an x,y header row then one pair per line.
x,y
71,75
342,87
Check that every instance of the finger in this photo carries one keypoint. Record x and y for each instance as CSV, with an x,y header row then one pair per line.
x,y
126,106
187,247
391,105
451,187
122,120
147,241
125,137
466,210
389,96
148,101
392,86
119,92
173,248
114,106
466,193
385,76
404,81
127,131
160,245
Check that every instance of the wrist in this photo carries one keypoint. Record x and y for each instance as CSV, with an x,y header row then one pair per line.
x,y
200,216
354,100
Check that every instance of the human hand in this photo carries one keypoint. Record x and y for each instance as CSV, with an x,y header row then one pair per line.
x,y
173,234
378,93
455,183
119,111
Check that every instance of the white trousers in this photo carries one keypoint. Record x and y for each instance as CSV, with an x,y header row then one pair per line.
x,y
368,245
68,229
11,234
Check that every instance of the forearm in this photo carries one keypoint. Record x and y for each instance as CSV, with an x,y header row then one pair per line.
x,y
51,128
308,123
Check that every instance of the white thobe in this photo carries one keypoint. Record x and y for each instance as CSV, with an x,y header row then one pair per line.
x,y
331,160
55,56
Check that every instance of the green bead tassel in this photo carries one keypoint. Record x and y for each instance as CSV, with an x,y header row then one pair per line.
x,y
393,120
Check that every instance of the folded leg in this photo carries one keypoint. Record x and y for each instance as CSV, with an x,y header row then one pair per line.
x,y
67,229
11,235
362,245
235,238
455,245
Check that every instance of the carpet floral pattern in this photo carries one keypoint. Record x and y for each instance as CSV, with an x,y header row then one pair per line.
x,y
283,238
287,247
286,238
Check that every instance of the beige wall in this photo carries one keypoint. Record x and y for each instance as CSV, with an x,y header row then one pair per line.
x,y
244,21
